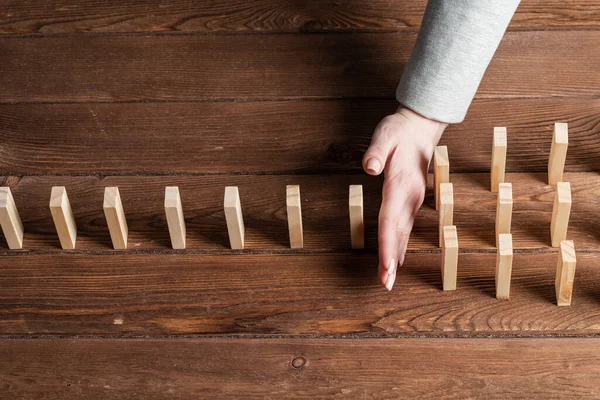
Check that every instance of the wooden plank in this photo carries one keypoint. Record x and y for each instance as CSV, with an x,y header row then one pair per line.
x,y
558,153
499,148
63,218
504,208
294,216
357,218
297,368
115,217
234,217
446,208
565,273
227,16
175,67
504,261
561,211
104,138
449,257
325,211
175,218
124,294
12,226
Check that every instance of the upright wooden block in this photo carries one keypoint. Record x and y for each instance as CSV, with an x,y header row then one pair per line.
x,y
504,209
446,212
294,213
449,258
357,224
12,227
558,153
60,208
233,215
441,171
498,157
560,213
175,220
115,217
504,260
565,273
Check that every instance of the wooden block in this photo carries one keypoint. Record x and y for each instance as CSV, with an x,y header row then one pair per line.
x,y
60,208
560,213
233,215
449,257
12,227
115,217
558,153
446,212
357,224
504,260
175,220
504,209
498,158
441,171
294,212
565,273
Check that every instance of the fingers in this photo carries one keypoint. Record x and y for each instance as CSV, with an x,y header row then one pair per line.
x,y
376,156
401,201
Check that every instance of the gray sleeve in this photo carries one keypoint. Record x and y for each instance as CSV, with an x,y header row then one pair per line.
x,y
455,45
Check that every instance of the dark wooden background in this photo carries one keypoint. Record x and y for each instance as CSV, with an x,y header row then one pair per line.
x,y
260,94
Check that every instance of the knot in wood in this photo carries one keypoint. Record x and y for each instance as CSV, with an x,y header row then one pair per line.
x,y
299,362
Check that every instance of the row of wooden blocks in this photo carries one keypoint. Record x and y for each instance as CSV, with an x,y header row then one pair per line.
x,y
448,238
66,227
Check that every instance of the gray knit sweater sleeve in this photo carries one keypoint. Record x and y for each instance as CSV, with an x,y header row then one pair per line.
x,y
455,45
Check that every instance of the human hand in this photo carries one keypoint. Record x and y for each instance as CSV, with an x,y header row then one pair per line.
x,y
402,146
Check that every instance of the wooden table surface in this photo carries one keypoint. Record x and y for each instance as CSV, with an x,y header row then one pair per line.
x,y
261,94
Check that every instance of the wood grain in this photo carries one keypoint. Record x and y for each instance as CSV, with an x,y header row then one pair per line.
x,y
288,294
167,138
325,369
268,67
260,16
324,205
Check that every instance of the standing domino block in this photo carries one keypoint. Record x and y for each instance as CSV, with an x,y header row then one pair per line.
x,y
233,215
565,273
558,153
175,220
441,171
446,208
357,224
294,212
449,258
10,220
504,259
115,217
60,208
560,213
504,209
498,158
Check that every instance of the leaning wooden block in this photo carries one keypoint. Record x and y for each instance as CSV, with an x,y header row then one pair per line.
x,y
357,224
560,213
233,215
115,217
62,215
294,213
565,273
558,153
446,211
449,258
441,171
504,209
175,220
504,259
12,227
498,158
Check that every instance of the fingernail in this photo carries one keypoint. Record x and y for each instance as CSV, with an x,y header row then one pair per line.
x,y
389,283
373,165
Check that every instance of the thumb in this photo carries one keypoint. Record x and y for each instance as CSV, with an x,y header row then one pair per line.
x,y
376,156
